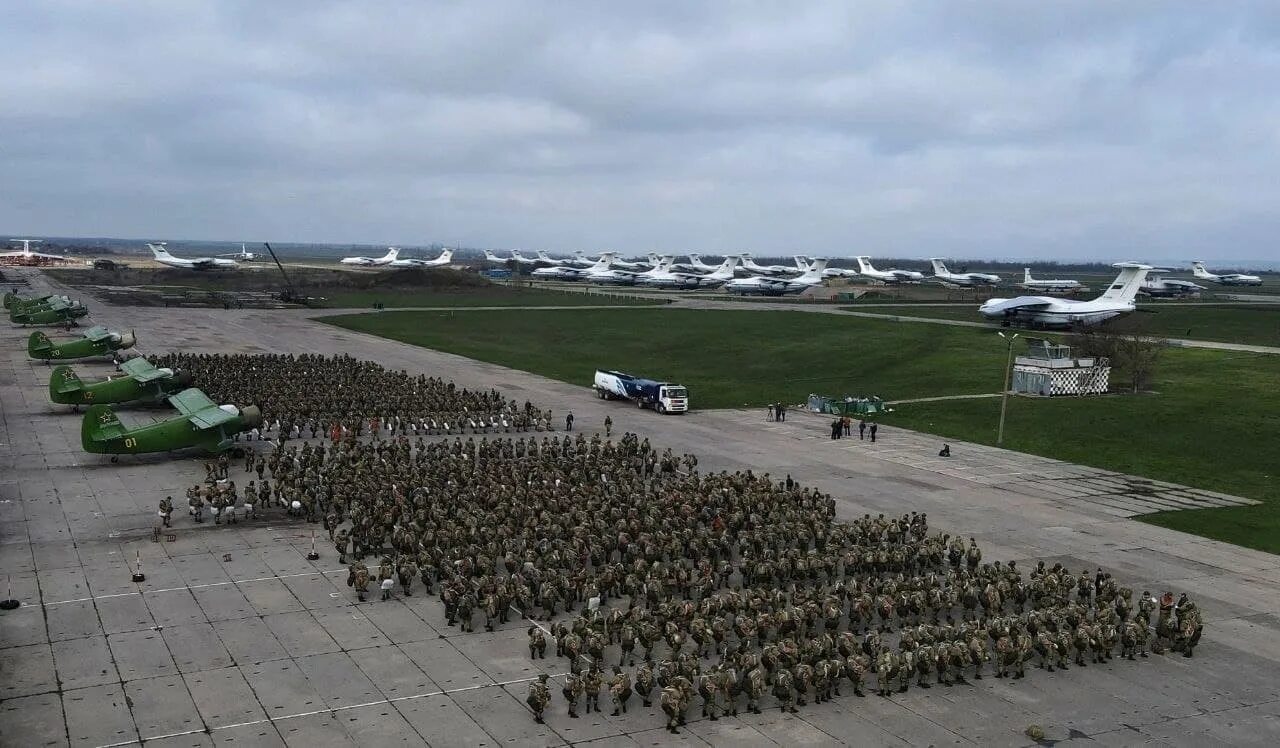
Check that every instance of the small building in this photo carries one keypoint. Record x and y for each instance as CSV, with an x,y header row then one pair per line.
x,y
1048,369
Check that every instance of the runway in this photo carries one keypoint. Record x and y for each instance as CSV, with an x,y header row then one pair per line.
x,y
235,638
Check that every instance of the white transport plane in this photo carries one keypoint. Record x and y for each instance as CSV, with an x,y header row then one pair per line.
x,y
695,262
1225,279
663,276
547,259
446,256
567,273
761,285
964,280
749,264
26,256
1157,286
387,259
619,273
803,264
161,253
1049,286
243,255
893,276
1050,311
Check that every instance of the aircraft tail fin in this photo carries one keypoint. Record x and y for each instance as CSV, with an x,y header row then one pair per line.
x,y
391,255
1198,270
726,267
9,299
864,264
1125,287
39,345
62,382
939,267
445,257
1026,275
100,425
159,250
814,273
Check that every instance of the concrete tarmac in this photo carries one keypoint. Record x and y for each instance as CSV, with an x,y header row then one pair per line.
x,y
235,638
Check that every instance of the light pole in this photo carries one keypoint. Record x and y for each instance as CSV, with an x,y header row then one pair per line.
x,y
1004,396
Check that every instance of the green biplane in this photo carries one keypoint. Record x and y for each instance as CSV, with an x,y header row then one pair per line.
x,y
201,423
95,341
13,300
142,381
47,311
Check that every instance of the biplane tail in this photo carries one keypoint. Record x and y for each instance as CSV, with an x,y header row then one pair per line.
x,y
100,425
9,299
39,345
62,383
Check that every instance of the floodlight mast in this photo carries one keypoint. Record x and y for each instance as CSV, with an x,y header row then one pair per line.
x,y
1004,395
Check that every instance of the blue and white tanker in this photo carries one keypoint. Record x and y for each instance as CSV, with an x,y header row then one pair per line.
x,y
664,397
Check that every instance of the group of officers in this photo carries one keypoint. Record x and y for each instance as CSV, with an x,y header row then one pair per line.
x,y
651,578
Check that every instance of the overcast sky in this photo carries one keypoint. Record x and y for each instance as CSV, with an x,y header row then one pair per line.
x,y
1014,129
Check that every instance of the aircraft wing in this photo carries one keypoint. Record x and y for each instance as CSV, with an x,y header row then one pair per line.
x,y
141,370
199,409
97,334
1021,302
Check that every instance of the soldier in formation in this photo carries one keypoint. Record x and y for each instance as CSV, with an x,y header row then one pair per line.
x,y
724,586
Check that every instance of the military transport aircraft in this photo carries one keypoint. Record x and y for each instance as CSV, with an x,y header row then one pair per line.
x,y
890,276
50,311
1057,285
771,286
960,280
26,256
142,381
386,259
1158,286
161,254
201,423
1050,311
1225,279
96,341
445,257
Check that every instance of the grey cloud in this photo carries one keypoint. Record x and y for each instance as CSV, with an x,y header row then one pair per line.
x,y
1012,129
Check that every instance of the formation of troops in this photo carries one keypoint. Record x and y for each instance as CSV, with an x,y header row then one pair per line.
x,y
650,579
310,395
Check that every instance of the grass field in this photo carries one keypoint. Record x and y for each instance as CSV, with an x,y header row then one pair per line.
x,y
1257,324
496,295
1211,424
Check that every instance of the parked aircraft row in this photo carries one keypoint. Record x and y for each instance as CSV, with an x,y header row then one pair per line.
x,y
664,272
393,259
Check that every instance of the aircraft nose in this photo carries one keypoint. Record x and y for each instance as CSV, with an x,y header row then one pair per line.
x,y
251,416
